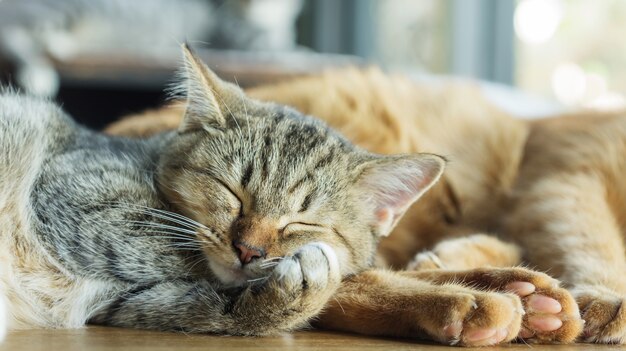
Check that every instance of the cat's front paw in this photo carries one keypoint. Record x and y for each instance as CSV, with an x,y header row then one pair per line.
x,y
604,313
309,277
296,290
478,319
551,313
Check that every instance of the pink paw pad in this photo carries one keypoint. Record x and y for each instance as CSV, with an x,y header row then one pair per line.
x,y
521,288
542,310
543,304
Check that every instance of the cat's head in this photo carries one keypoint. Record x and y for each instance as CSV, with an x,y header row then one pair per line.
x,y
267,180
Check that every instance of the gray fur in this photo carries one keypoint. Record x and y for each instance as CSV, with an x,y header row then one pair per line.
x,y
79,222
141,233
88,200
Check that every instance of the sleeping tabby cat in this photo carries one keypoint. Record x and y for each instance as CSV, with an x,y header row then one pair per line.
x,y
554,187
241,222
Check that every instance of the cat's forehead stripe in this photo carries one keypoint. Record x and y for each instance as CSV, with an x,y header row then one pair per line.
x,y
247,174
290,157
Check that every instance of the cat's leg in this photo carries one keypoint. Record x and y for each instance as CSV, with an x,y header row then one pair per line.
x,y
296,290
388,303
567,228
380,302
551,312
474,251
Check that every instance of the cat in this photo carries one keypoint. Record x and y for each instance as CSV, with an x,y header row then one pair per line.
x,y
452,306
243,221
34,31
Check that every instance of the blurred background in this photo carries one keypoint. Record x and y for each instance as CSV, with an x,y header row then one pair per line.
x,y
105,58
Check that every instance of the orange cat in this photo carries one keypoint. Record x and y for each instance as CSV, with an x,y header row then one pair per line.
x,y
554,187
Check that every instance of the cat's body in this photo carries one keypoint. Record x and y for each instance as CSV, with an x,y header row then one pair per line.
x,y
88,233
51,175
553,186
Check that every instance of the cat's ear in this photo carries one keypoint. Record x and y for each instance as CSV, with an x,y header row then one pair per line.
x,y
205,93
391,184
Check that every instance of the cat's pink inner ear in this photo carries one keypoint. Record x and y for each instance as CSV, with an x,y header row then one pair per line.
x,y
396,182
385,218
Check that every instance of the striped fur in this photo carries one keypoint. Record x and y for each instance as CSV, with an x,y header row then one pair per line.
x,y
144,233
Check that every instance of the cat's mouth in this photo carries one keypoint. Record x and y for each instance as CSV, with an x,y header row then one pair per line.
x,y
233,274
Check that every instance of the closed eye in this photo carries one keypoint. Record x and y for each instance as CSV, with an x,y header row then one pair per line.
x,y
211,175
295,227
233,193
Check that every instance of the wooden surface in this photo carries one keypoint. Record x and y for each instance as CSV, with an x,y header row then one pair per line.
x,y
100,338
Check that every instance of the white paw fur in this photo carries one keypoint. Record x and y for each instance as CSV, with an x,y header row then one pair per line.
x,y
314,263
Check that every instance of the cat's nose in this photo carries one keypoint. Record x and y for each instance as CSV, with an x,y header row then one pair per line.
x,y
247,253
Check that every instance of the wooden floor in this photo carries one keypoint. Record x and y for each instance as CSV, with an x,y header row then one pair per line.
x,y
98,338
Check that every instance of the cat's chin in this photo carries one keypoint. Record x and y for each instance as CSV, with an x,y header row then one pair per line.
x,y
232,275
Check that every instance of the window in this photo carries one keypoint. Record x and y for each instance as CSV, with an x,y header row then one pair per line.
x,y
573,50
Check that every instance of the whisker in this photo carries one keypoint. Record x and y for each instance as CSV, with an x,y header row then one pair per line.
x,y
171,235
166,217
185,240
245,109
143,224
268,265
183,218
257,279
193,249
232,116
175,232
198,261
169,215
187,244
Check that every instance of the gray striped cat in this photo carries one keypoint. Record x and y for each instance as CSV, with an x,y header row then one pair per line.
x,y
243,221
